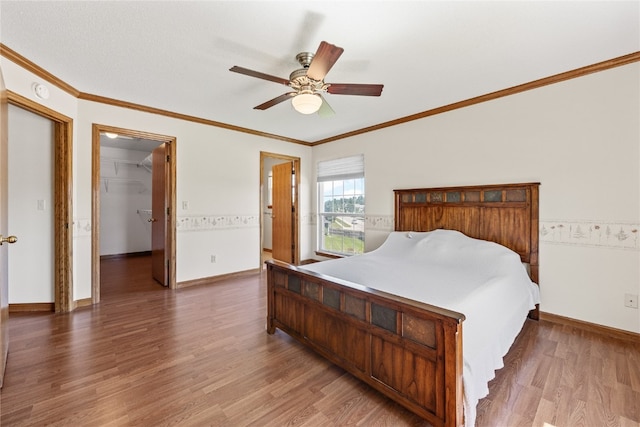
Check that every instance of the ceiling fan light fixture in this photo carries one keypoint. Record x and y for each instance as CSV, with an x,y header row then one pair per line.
x,y
306,103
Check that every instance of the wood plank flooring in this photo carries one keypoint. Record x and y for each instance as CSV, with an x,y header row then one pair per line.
x,y
200,356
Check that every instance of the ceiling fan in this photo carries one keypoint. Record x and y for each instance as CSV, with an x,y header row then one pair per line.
x,y
308,82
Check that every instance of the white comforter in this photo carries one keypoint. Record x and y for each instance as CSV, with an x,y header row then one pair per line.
x,y
483,280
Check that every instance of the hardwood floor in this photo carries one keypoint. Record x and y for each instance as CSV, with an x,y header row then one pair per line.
x,y
150,356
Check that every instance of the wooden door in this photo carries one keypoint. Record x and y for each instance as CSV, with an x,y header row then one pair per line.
x,y
4,256
159,215
283,212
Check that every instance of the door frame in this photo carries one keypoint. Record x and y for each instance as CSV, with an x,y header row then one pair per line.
x,y
63,199
171,142
296,201
4,211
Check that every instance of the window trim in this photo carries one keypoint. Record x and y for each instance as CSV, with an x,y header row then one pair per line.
x,y
341,169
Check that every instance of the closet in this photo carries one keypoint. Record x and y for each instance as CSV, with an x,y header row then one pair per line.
x,y
125,195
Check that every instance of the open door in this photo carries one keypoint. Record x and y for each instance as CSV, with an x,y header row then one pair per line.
x,y
283,213
163,194
159,215
4,257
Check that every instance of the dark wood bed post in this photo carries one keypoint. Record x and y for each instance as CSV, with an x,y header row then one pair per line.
x,y
535,235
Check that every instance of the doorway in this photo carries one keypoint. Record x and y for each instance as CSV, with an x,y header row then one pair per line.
x,y
30,190
279,201
62,200
164,190
62,210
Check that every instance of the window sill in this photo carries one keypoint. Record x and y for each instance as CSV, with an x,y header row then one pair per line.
x,y
330,255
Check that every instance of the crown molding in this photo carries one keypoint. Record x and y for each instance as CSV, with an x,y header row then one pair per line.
x,y
557,78
23,62
30,66
194,119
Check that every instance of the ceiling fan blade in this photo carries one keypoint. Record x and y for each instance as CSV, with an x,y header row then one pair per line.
x,y
325,109
275,101
326,55
257,74
355,89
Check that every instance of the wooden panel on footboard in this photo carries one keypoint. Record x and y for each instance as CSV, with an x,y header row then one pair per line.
x,y
410,352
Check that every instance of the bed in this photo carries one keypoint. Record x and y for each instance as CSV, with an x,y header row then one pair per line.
x,y
412,351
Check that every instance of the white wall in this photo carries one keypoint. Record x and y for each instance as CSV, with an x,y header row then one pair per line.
x,y
580,139
20,81
218,174
125,202
30,213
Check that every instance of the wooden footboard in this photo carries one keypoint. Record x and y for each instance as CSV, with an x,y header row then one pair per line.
x,y
410,352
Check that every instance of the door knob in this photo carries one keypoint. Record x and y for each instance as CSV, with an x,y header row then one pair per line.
x,y
152,220
9,239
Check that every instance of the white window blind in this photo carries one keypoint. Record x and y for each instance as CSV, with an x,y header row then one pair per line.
x,y
340,169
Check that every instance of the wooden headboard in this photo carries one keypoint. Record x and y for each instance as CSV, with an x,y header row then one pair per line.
x,y
503,213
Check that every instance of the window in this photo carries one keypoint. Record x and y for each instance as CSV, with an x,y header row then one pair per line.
x,y
341,206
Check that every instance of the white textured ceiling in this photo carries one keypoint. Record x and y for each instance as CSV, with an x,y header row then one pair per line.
x,y
175,55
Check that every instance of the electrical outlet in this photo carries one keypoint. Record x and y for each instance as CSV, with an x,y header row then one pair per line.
x,y
631,300
185,205
213,259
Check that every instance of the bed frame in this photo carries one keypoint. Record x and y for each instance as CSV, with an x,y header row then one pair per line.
x,y
409,351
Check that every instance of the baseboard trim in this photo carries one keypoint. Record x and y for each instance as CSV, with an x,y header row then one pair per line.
x,y
31,307
85,302
591,327
213,279
127,255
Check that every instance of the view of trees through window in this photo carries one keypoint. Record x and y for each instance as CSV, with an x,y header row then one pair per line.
x,y
341,216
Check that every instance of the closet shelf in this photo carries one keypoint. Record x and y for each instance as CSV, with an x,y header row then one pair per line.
x,y
137,184
118,162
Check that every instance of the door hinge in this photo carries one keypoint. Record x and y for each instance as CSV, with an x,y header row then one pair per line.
x,y
168,157
168,211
